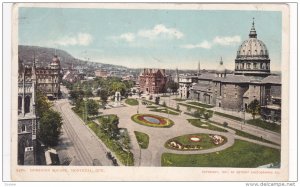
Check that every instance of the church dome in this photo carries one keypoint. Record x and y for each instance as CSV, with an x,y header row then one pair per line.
x,y
252,56
253,48
55,59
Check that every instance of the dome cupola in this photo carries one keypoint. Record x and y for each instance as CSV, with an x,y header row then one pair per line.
x,y
252,56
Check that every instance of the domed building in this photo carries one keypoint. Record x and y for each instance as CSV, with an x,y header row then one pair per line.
x,y
250,81
252,57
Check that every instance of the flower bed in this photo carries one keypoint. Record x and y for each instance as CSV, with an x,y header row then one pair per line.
x,y
152,120
195,142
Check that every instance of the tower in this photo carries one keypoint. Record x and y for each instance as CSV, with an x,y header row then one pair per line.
x,y
27,119
198,68
221,70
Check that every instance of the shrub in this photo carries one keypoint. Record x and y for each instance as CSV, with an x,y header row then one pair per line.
x,y
225,124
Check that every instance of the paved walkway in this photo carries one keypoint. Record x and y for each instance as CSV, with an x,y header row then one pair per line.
x,y
251,129
158,136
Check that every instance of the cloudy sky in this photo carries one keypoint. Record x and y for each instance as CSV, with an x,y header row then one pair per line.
x,y
150,38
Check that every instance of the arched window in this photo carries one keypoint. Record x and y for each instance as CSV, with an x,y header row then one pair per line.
x,y
19,104
27,104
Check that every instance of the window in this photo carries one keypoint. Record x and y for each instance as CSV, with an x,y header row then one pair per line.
x,y
254,65
235,95
23,129
248,65
224,95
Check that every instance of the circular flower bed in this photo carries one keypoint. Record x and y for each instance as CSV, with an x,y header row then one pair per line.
x,y
152,120
195,142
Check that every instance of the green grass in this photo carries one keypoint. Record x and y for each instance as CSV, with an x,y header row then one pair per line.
x,y
151,106
142,138
177,99
205,125
246,135
265,125
205,143
164,110
131,102
192,106
165,96
122,155
200,104
175,109
241,155
229,116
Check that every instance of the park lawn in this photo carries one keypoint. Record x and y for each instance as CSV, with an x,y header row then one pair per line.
x,y
205,141
205,125
241,155
142,138
228,116
246,135
151,106
200,104
178,99
175,109
265,125
131,102
164,110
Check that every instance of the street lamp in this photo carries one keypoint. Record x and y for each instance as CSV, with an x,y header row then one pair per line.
x,y
243,122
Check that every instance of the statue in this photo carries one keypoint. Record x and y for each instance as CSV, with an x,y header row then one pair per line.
x,y
117,99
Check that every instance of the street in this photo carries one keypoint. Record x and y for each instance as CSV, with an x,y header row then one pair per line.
x,y
84,147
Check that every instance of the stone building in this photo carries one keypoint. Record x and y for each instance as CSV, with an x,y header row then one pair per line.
x,y
153,81
30,80
49,79
251,80
27,119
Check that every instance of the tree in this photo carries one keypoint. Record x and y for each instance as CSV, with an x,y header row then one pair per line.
x,y
110,125
177,107
103,94
92,107
188,108
50,126
173,86
157,100
208,115
254,108
42,104
76,95
164,104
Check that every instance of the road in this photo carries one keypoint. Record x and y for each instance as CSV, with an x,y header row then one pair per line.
x,y
78,143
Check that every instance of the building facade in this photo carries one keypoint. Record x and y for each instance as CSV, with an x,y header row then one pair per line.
x,y
30,80
27,119
49,79
153,81
251,80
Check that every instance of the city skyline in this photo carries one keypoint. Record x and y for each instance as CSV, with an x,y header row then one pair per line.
x,y
159,38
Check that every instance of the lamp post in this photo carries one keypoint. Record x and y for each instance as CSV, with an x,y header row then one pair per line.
x,y
243,113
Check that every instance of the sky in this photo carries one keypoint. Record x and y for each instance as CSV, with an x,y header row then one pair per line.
x,y
151,38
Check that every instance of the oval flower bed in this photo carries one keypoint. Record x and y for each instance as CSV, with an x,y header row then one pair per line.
x,y
195,142
152,120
